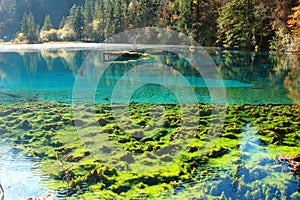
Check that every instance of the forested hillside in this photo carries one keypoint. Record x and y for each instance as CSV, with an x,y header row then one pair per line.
x,y
246,24
12,11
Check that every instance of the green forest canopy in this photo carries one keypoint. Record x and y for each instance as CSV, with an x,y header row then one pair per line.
x,y
246,24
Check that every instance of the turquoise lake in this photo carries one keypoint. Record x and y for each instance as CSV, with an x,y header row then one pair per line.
x,y
157,77
246,77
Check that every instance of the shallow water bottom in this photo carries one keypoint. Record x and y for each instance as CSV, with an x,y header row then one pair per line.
x,y
241,162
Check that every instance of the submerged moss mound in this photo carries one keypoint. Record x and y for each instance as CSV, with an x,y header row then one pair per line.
x,y
149,157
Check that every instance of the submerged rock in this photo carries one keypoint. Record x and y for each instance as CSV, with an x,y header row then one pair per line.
x,y
218,152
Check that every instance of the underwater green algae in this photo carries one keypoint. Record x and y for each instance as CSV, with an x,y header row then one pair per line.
x,y
201,169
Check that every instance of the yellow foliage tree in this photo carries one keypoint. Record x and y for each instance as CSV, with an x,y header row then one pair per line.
x,y
294,25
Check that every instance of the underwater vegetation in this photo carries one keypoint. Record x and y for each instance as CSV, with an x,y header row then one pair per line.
x,y
252,154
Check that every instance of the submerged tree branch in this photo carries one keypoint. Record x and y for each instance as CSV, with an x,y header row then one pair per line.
x,y
2,192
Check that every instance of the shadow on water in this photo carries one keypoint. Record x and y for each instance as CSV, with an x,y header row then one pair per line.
x,y
255,176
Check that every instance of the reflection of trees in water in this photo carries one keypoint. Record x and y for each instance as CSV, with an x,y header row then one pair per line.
x,y
269,68
9,70
180,63
234,65
236,58
49,57
258,68
31,61
282,63
250,67
292,79
70,59
2,74
286,66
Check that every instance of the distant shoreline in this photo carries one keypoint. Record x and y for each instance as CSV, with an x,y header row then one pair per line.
x,y
11,47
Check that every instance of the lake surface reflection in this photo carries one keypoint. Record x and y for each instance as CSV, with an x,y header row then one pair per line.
x,y
248,77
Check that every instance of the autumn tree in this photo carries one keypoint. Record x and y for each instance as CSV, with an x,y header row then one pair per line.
x,y
230,23
48,33
281,12
294,25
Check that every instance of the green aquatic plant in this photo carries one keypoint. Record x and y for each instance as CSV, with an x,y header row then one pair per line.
x,y
76,166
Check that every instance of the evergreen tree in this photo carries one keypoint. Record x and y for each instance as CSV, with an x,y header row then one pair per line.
x,y
29,28
148,13
62,22
237,24
117,14
24,24
99,10
98,24
32,29
47,23
241,23
196,18
76,20
124,14
263,25
184,16
88,11
108,17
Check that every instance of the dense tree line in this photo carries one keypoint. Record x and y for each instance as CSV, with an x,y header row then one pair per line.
x,y
255,23
250,24
12,12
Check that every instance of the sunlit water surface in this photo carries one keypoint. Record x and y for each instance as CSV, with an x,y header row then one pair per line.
x,y
20,176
